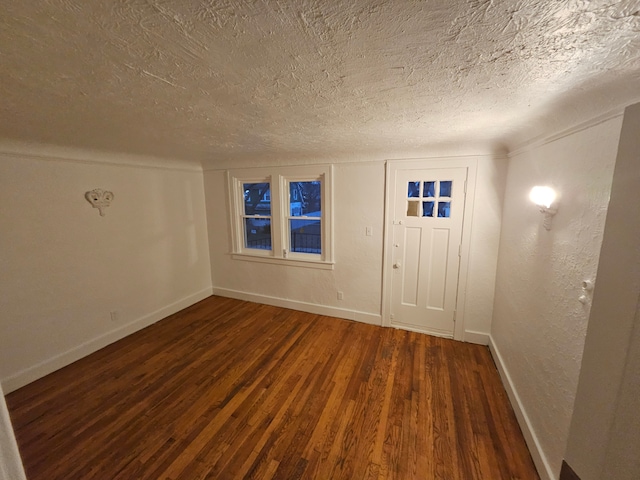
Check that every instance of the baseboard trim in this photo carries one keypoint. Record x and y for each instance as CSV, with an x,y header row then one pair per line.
x,y
358,316
57,362
539,458
478,338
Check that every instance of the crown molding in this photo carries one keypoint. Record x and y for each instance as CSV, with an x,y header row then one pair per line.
x,y
44,152
470,150
544,139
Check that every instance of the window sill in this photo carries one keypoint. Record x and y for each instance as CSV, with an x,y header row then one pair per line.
x,y
293,262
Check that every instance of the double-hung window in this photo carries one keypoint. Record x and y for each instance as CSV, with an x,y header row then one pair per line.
x,y
256,214
282,215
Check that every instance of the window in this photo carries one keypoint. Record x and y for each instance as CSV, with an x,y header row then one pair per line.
x,y
257,215
282,215
429,199
305,217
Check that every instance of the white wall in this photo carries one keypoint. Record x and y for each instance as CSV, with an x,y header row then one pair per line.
x,y
65,268
539,327
10,463
358,202
485,242
604,440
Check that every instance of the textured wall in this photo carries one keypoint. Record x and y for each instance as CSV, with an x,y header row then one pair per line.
x,y
538,325
604,441
65,268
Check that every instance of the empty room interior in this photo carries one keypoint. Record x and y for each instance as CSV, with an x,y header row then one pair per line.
x,y
320,239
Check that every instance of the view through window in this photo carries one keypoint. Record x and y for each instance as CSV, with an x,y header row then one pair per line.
x,y
282,214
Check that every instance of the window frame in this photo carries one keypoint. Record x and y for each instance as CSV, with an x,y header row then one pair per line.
x,y
287,217
242,215
279,179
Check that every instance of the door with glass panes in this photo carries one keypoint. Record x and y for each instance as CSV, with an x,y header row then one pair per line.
x,y
427,209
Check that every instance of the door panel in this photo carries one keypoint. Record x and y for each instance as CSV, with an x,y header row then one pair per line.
x,y
428,211
411,261
437,274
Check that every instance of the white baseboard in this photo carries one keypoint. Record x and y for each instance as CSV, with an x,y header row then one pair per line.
x,y
50,365
537,454
476,337
371,318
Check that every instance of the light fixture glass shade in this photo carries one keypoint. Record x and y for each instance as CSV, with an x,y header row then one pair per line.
x,y
542,196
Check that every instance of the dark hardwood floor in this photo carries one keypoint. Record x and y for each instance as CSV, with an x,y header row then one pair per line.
x,y
229,390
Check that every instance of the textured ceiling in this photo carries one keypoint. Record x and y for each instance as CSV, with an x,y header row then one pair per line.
x,y
224,80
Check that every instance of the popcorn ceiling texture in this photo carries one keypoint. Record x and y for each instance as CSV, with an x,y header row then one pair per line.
x,y
211,80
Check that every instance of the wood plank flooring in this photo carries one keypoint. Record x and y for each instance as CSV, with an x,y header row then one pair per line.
x,y
230,390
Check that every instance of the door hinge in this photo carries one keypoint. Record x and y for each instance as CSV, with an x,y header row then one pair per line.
x,y
465,186
455,314
460,250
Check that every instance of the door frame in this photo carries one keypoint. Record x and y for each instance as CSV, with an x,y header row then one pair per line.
x,y
391,167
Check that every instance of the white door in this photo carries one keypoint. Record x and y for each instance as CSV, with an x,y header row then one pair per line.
x,y
426,214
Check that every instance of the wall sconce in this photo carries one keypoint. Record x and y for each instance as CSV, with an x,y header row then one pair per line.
x,y
544,198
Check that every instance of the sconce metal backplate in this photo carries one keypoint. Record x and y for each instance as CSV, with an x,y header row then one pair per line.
x,y
548,213
99,199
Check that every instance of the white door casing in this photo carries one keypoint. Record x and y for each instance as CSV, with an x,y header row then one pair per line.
x,y
426,245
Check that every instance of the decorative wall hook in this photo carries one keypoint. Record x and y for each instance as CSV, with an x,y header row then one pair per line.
x,y
99,199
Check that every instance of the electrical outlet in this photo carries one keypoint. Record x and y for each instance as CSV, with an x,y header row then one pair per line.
x,y
340,296
114,315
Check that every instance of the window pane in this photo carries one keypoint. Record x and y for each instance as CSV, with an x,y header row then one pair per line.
x,y
414,189
412,209
257,233
257,199
427,209
429,189
445,188
444,209
305,198
306,236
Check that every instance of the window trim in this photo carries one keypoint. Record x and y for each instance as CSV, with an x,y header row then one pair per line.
x,y
287,217
279,179
237,204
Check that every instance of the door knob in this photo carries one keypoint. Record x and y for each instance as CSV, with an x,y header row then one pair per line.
x,y
397,265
